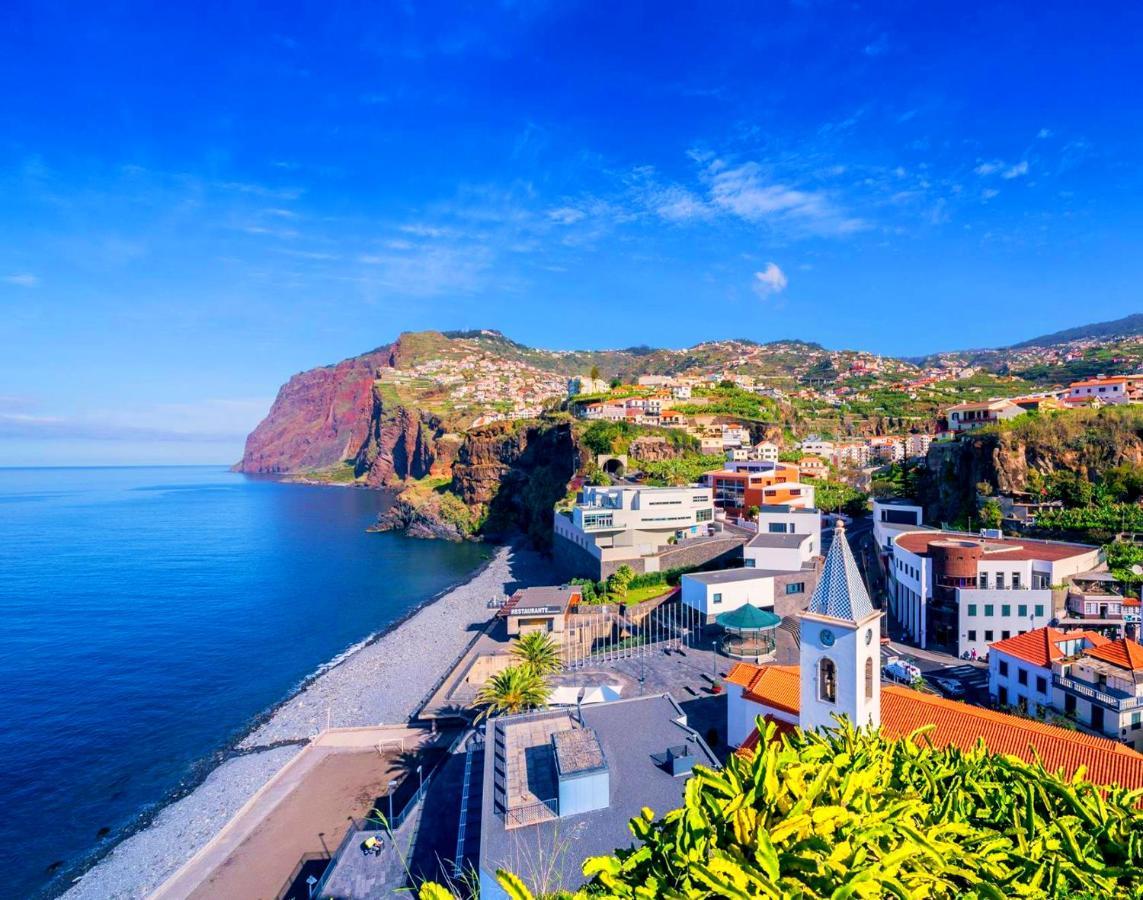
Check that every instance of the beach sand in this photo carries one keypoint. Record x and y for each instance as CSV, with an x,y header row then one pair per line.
x,y
382,682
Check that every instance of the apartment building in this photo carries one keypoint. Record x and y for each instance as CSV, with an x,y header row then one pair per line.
x,y
742,484
964,591
1112,390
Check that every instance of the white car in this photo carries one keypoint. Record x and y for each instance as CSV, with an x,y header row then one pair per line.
x,y
898,669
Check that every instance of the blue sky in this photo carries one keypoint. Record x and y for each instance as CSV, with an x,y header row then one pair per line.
x,y
197,203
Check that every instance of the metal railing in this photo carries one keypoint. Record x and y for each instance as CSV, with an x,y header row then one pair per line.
x,y
1092,693
532,813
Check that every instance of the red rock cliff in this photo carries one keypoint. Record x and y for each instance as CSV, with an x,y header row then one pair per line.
x,y
318,418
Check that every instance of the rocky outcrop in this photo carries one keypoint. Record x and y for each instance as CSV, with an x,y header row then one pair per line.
x,y
652,448
400,443
1087,444
319,417
516,472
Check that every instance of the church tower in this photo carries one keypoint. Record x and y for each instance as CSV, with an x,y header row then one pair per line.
x,y
840,645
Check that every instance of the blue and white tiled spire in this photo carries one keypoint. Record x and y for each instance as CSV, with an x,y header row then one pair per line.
x,y
840,592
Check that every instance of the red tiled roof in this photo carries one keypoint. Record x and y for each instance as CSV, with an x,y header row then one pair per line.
x,y
1041,646
1096,382
904,710
1124,653
995,548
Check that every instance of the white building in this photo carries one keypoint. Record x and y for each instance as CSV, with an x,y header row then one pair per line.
x,y
1081,674
585,384
893,516
1112,390
917,445
966,591
788,538
625,523
714,593
966,416
816,447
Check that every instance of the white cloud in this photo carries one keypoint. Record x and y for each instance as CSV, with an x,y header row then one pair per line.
x,y
771,280
22,279
989,193
1021,168
744,191
566,215
989,168
1044,133
677,204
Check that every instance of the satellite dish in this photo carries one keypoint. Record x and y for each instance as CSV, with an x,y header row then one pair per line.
x,y
1137,569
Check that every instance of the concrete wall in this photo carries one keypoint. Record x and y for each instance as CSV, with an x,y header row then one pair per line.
x,y
971,629
732,595
1014,691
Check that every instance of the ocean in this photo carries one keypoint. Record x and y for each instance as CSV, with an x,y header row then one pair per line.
x,y
148,615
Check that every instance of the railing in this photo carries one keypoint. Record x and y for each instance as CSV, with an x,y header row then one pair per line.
x,y
1119,704
532,813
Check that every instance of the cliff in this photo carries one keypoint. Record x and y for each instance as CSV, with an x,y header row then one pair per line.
x,y
319,417
1087,442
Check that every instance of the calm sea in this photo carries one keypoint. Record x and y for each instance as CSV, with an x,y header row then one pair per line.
x,y
148,614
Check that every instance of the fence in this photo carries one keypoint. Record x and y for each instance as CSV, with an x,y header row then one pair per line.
x,y
611,634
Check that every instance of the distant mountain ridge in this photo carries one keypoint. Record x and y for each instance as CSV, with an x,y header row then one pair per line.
x,y
1128,326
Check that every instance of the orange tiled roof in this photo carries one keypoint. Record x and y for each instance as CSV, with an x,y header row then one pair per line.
x,y
1096,382
1041,646
775,686
1124,653
904,710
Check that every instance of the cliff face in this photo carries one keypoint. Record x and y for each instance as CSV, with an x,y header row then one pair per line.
x,y
399,444
319,417
1088,446
516,472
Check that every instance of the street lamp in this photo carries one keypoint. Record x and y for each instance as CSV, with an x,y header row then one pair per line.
x,y
420,780
392,784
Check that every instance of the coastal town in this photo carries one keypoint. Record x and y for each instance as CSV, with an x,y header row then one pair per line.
x,y
686,624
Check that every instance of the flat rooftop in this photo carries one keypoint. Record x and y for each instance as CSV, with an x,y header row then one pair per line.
x,y
1006,548
786,509
548,853
732,576
577,750
534,600
783,541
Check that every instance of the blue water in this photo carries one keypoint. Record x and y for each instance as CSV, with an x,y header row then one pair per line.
x,y
147,615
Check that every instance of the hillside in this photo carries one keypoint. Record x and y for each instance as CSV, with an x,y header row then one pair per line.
x,y
1128,326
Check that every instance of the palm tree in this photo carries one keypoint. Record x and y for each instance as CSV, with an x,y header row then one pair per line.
x,y
538,652
513,690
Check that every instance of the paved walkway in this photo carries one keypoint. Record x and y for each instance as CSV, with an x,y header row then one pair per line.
x,y
223,846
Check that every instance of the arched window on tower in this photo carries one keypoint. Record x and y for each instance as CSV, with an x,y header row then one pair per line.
x,y
827,681
869,678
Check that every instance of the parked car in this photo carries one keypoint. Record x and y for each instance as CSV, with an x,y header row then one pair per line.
x,y
900,670
949,687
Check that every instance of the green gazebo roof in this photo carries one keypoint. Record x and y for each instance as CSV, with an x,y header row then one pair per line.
x,y
748,618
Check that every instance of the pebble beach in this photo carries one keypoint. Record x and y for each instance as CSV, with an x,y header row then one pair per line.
x,y
381,681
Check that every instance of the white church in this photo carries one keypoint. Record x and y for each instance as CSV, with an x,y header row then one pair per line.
x,y
839,674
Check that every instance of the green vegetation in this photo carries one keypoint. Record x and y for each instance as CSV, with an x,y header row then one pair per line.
x,y
853,814
726,399
616,437
1121,556
513,690
539,652
638,587
682,470
339,473
835,496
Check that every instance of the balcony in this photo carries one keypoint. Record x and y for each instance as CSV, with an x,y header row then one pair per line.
x,y
1117,701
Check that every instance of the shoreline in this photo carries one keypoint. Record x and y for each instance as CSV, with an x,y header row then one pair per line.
x,y
355,687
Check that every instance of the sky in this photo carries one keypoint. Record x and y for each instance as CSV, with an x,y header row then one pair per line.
x,y
199,200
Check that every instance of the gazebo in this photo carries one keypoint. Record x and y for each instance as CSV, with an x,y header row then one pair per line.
x,y
749,632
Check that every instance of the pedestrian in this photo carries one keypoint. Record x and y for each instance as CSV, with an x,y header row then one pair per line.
x,y
974,654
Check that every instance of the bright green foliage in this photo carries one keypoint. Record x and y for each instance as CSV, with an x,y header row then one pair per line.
x,y
991,514
834,496
853,814
513,690
686,469
538,652
1121,556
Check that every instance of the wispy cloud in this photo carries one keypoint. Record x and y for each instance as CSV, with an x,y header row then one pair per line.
x,y
989,168
22,279
771,280
1015,171
877,47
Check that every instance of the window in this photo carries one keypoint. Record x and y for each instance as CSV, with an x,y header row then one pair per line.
x,y
718,598
972,609
1004,635
989,609
827,681
1136,721
1041,684
779,528
1040,610
1003,667
999,581
869,682
1016,581
1022,609
983,581
1005,610
796,587
972,635
749,564
1022,676
988,636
